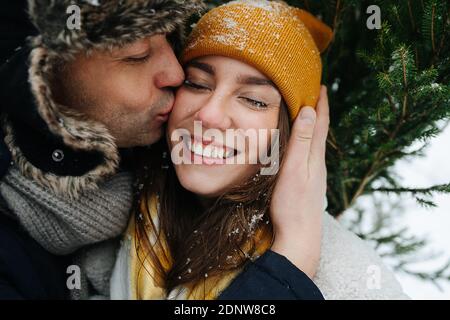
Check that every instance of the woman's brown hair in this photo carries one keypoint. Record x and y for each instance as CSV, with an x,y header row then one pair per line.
x,y
201,243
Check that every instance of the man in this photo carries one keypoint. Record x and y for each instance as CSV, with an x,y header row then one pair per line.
x,y
75,103
70,120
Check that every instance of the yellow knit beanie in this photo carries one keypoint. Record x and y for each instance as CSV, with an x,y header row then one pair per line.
x,y
281,41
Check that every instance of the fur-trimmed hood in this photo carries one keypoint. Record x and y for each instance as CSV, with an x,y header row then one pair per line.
x,y
106,23
51,143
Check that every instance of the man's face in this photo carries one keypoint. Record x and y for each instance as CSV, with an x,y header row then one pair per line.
x,y
129,89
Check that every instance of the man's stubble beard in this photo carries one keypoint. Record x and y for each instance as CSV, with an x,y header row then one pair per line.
x,y
128,130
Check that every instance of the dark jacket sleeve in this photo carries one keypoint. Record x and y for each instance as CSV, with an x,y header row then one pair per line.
x,y
28,271
7,290
271,276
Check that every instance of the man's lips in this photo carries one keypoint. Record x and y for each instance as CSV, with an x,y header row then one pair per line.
x,y
164,115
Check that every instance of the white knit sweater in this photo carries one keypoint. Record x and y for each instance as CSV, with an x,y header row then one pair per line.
x,y
350,269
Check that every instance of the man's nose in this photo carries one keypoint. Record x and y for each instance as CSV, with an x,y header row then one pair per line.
x,y
214,113
171,73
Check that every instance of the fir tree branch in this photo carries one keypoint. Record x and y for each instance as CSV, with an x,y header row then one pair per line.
x,y
441,188
442,274
370,172
394,244
391,104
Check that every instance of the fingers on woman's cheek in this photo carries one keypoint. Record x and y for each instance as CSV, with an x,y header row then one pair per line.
x,y
303,130
300,143
321,128
323,91
322,104
323,112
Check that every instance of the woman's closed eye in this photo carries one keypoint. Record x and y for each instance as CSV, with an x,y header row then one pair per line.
x,y
195,86
198,86
254,103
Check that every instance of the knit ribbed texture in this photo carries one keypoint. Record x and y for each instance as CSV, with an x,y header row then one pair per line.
x,y
61,225
282,42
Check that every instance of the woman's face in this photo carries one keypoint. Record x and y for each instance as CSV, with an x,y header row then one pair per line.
x,y
218,113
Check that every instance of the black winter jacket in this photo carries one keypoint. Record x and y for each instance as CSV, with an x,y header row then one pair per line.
x,y
28,271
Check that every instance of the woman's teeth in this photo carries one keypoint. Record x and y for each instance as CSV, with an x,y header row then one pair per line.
x,y
209,151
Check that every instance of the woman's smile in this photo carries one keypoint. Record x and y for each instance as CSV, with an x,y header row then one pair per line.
x,y
209,152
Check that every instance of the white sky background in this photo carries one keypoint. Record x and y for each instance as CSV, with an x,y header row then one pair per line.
x,y
434,223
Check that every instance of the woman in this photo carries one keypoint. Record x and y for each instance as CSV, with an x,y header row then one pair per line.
x,y
249,66
198,224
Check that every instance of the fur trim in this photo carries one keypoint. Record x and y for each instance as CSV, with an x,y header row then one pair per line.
x,y
76,130
72,186
108,24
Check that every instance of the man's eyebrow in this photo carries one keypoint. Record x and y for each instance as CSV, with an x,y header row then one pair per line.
x,y
252,80
202,66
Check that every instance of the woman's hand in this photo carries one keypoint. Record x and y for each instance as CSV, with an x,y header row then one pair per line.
x,y
298,200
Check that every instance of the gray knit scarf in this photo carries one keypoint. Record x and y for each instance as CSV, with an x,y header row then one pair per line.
x,y
62,225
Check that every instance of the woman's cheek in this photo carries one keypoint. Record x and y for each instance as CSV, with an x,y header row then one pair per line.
x,y
186,104
265,126
178,109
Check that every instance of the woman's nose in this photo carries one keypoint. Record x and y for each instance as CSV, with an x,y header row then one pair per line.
x,y
214,114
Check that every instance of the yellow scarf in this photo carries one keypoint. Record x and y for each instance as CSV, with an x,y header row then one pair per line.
x,y
145,283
